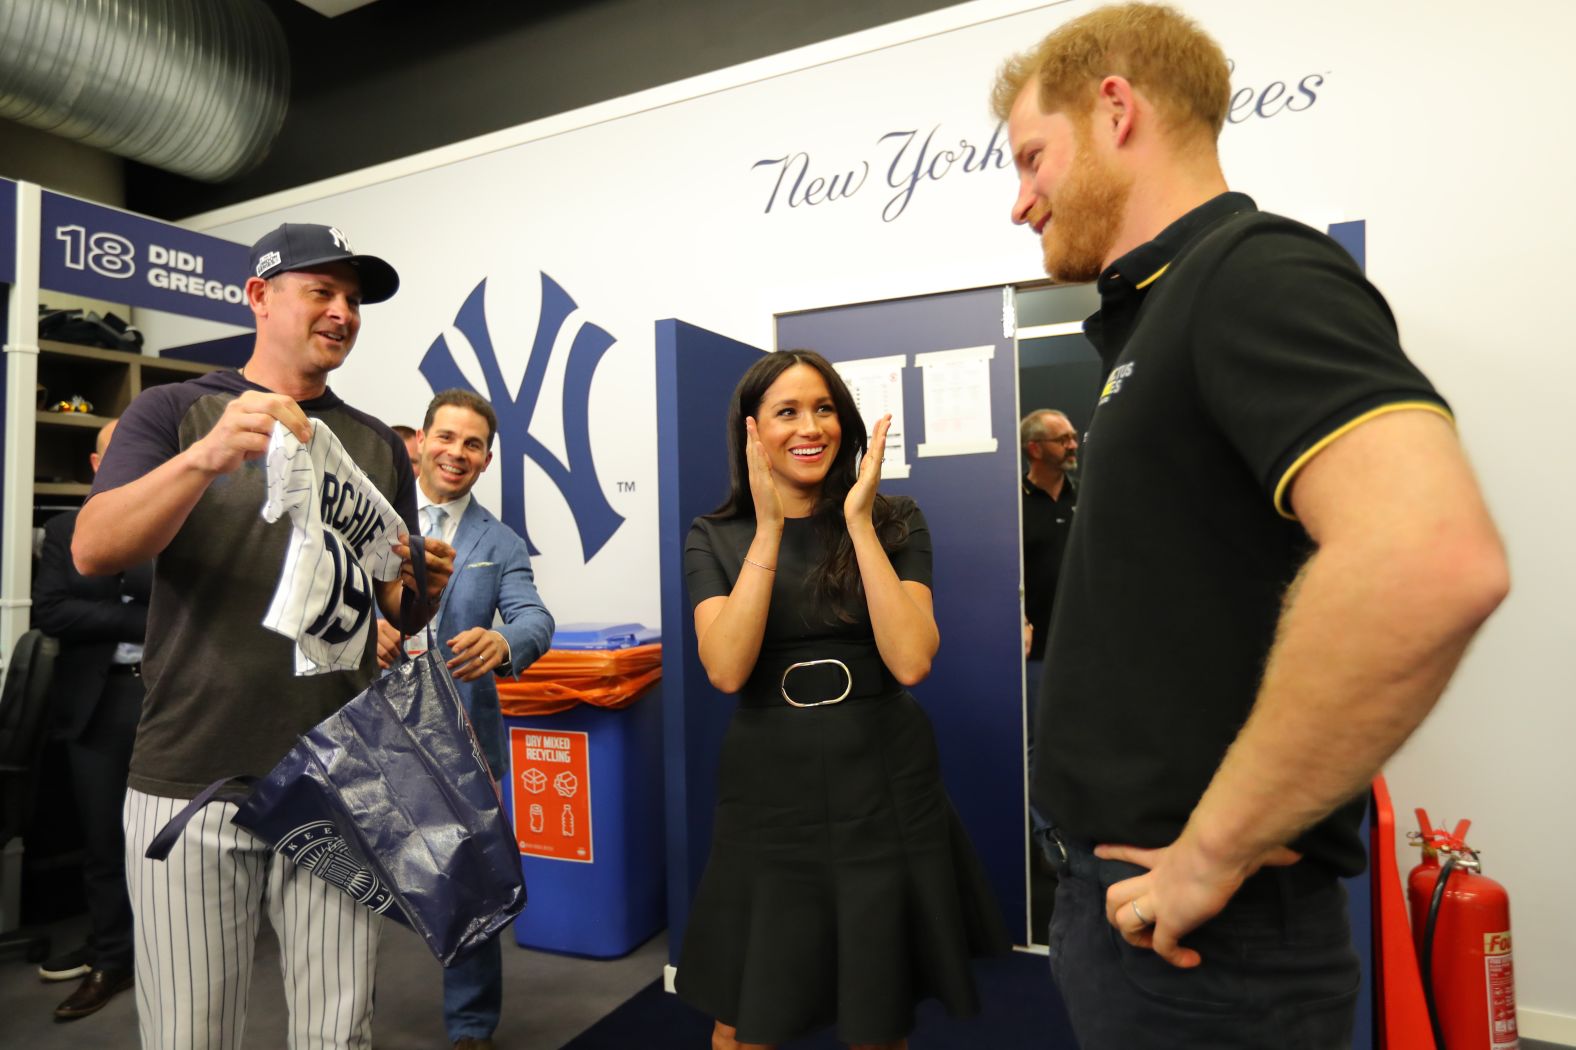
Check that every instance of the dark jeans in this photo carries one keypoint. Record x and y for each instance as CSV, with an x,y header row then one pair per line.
x,y
100,761
1278,971
473,992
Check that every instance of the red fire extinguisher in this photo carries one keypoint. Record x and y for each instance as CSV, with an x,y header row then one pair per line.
x,y
1461,927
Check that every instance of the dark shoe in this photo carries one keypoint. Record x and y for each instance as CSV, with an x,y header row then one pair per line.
x,y
67,965
469,1043
96,989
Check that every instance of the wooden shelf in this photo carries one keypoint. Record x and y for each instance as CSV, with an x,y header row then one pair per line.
x,y
106,379
91,353
71,419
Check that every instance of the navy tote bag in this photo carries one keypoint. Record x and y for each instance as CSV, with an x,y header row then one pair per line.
x,y
390,799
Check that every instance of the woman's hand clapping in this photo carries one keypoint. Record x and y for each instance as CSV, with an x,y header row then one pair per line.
x,y
763,485
860,504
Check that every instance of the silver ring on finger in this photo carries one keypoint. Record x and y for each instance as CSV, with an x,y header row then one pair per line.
x,y
1142,918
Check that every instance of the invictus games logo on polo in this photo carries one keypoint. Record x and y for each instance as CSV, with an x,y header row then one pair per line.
x,y
1113,382
516,403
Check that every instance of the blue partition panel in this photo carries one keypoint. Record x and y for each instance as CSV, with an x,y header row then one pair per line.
x,y
1353,236
230,351
4,382
974,694
7,231
696,373
7,276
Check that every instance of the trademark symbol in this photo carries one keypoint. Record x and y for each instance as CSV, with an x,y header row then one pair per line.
x,y
626,486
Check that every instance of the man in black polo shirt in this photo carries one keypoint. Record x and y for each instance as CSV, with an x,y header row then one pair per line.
x,y
1050,448
1280,557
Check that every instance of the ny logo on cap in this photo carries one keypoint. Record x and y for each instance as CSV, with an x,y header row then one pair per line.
x,y
340,240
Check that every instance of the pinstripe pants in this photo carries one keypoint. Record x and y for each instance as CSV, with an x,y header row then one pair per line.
x,y
197,916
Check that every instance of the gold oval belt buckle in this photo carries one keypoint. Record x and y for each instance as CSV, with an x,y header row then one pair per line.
x,y
847,674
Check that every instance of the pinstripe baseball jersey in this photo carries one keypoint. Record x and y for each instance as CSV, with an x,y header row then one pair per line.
x,y
342,531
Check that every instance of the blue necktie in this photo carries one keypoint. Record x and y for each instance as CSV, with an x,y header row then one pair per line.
x,y
435,518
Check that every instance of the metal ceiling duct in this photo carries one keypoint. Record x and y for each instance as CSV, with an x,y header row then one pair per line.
x,y
197,87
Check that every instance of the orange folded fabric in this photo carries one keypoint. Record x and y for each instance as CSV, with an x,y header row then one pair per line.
x,y
562,678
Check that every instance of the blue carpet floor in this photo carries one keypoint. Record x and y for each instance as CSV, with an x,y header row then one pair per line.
x,y
1020,1010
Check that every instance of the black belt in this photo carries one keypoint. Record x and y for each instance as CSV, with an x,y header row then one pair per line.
x,y
1073,857
818,680
131,669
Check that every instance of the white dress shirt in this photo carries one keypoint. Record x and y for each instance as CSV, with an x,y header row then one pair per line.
x,y
455,509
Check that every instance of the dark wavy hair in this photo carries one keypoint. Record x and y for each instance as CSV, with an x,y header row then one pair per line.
x,y
461,398
836,579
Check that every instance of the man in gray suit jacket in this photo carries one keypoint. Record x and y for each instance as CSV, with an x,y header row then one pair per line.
x,y
492,574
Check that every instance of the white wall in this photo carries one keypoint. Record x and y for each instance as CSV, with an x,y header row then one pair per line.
x,y
1443,125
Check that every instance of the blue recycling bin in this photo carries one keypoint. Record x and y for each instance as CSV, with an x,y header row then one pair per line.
x,y
585,800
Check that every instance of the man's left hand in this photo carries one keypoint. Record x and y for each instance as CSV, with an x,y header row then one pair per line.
x,y
1181,891
476,651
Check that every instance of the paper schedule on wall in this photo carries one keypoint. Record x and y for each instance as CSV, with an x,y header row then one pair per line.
x,y
877,386
957,401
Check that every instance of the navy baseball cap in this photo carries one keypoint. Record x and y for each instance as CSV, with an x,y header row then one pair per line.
x,y
303,245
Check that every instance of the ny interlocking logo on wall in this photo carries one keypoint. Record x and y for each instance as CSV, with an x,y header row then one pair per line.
x,y
576,480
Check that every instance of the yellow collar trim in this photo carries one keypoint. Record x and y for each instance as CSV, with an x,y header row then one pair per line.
x,y
1152,278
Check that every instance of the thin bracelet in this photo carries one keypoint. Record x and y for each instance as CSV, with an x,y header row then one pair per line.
x,y
758,565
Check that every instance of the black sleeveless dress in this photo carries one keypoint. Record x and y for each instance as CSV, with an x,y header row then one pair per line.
x,y
841,887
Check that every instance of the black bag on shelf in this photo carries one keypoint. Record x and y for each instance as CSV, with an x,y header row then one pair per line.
x,y
86,328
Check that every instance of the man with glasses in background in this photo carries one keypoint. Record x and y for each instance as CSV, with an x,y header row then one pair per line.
x,y
1050,450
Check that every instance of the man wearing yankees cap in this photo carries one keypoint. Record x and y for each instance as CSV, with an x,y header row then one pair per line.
x,y
184,484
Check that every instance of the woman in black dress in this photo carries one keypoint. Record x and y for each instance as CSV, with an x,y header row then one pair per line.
x,y
841,888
